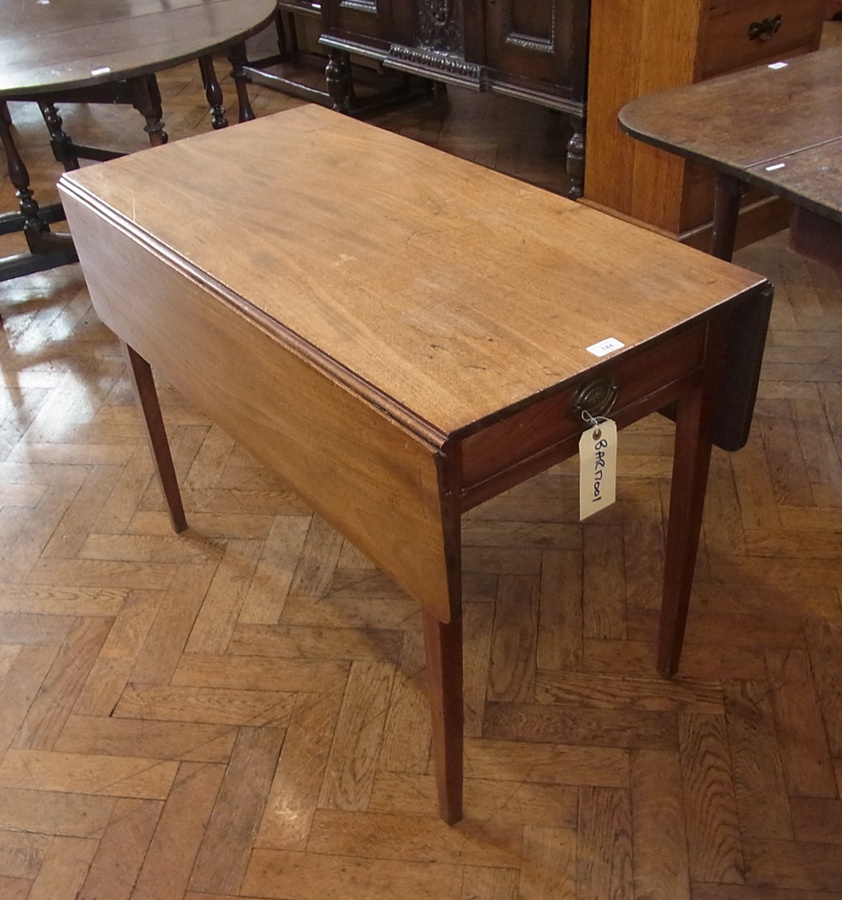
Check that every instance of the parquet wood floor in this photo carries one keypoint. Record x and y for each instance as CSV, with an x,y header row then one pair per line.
x,y
238,712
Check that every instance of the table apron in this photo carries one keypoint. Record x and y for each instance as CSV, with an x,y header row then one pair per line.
x,y
530,440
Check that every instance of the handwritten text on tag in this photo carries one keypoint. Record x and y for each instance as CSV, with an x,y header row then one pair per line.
x,y
597,468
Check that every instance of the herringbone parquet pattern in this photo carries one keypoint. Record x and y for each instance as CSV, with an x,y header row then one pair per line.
x,y
239,711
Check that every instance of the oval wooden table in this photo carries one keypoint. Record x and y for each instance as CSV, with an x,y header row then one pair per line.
x,y
105,51
774,126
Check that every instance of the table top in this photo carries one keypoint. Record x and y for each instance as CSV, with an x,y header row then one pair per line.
x,y
449,291
778,126
61,44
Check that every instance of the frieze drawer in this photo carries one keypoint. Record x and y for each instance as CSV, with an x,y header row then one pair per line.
x,y
550,428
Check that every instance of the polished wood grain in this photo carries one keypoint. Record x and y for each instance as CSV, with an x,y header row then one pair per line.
x,y
447,273
85,539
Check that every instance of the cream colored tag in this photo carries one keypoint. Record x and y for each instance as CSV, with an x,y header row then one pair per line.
x,y
597,468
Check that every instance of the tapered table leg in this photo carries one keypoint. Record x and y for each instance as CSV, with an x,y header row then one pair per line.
x,y
147,395
687,496
443,645
694,423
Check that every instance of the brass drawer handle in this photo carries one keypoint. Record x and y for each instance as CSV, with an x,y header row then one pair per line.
x,y
762,31
596,398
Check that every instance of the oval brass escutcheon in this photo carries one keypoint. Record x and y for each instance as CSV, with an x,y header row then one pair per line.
x,y
597,397
762,31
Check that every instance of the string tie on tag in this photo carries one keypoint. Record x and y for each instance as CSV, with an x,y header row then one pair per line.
x,y
593,422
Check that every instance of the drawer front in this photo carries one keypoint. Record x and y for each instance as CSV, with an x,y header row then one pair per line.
x,y
741,33
534,438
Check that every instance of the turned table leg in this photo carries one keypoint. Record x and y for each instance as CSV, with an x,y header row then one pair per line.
x,y
46,249
443,646
156,433
147,101
34,228
63,147
213,92
238,59
575,165
340,84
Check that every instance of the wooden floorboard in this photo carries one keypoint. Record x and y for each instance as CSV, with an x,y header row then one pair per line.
x,y
239,711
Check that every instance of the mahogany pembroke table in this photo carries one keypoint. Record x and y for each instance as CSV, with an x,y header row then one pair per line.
x,y
403,335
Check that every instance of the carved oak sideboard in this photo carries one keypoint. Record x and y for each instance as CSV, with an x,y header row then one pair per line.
x,y
536,50
585,58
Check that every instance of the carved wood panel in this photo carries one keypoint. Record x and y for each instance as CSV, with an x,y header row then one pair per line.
x,y
439,25
540,40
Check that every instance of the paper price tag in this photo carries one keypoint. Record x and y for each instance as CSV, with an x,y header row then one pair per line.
x,y
597,468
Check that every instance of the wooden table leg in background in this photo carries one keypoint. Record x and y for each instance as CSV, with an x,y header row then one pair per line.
x,y
46,249
19,176
147,101
213,92
64,149
238,59
147,396
726,211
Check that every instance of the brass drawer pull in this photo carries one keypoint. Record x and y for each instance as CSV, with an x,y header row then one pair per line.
x,y
596,398
762,31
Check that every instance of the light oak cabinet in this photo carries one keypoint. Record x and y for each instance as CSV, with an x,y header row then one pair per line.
x,y
639,46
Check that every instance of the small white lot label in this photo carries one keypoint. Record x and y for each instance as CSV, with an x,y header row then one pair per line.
x,y
597,467
777,65
603,348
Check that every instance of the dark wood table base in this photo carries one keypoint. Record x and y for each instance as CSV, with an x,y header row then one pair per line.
x,y
47,249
